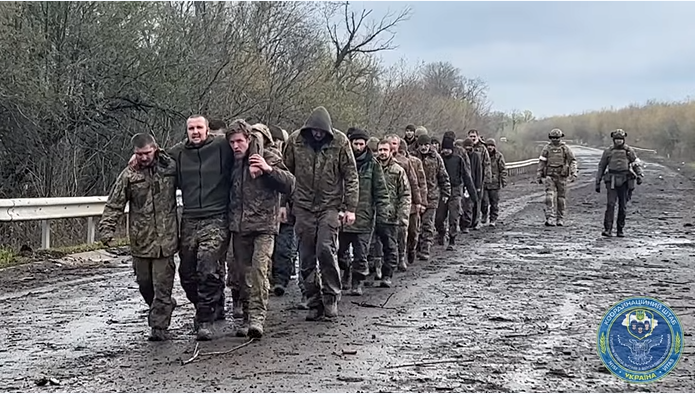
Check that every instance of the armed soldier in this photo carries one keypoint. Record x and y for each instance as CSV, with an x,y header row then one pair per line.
x,y
150,189
556,165
618,160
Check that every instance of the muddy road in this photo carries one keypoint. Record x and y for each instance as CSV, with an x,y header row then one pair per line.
x,y
515,308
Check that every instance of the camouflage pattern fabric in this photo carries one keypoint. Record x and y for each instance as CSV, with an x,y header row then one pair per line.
x,y
155,279
202,246
254,253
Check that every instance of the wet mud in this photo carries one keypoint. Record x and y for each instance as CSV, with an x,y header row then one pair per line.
x,y
513,308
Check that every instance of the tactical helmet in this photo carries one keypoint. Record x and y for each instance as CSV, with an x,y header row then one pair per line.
x,y
618,134
556,133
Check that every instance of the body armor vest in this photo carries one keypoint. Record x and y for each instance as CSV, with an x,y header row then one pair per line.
x,y
618,160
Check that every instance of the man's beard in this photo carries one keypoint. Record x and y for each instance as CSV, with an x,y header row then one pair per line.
x,y
358,153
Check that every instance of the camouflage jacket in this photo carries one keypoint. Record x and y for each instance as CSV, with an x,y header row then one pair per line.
x,y
326,173
556,161
413,181
484,155
421,180
374,202
399,193
153,217
438,183
499,172
254,203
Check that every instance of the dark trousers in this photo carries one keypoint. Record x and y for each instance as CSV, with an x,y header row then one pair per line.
x,y
360,249
284,255
490,205
619,194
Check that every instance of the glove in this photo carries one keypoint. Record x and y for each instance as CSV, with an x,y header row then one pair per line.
x,y
598,188
639,180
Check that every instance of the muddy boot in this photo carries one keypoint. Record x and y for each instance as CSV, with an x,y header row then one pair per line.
x,y
330,305
377,269
158,334
411,258
346,280
386,282
303,303
243,329
560,223
493,223
425,254
279,290
606,233
402,265
440,239
466,230
548,223
238,309
205,331
620,233
315,314
357,288
255,330
452,242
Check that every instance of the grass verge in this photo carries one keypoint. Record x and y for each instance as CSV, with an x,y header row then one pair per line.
x,y
9,258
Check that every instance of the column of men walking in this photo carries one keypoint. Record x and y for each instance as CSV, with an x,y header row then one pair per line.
x,y
355,209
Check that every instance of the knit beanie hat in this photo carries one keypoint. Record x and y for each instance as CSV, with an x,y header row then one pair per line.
x,y
447,142
358,134
490,141
424,139
467,142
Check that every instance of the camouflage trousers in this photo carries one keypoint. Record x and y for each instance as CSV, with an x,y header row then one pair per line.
x,y
555,195
155,279
490,205
317,234
284,255
413,234
253,254
618,194
427,230
376,253
471,212
202,248
360,249
450,210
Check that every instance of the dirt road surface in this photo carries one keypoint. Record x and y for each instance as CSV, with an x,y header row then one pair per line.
x,y
515,308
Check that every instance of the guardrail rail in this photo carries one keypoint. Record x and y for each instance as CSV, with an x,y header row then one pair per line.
x,y
47,209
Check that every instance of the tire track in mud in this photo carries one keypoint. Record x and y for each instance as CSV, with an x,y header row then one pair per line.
x,y
502,309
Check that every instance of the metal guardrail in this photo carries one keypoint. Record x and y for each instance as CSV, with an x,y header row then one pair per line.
x,y
47,209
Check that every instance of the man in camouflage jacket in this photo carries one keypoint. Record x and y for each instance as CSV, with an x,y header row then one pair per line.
x,y
373,208
438,189
254,205
400,198
322,161
493,185
150,192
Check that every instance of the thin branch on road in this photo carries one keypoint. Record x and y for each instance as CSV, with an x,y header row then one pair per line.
x,y
391,325
365,304
387,299
433,362
197,354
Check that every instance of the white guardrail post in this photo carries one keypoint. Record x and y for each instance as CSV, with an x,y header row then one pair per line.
x,y
47,209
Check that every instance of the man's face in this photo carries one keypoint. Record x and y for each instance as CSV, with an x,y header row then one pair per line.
x,y
468,149
384,151
619,142
491,149
395,144
473,137
555,140
409,134
197,130
358,146
239,144
447,152
424,148
319,135
145,156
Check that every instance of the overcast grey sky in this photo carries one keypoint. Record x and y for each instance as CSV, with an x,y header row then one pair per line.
x,y
556,57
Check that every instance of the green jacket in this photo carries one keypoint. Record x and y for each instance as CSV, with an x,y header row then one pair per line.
x,y
374,203
399,193
153,219
325,171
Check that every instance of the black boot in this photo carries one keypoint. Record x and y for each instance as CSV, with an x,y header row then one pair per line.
x,y
452,242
